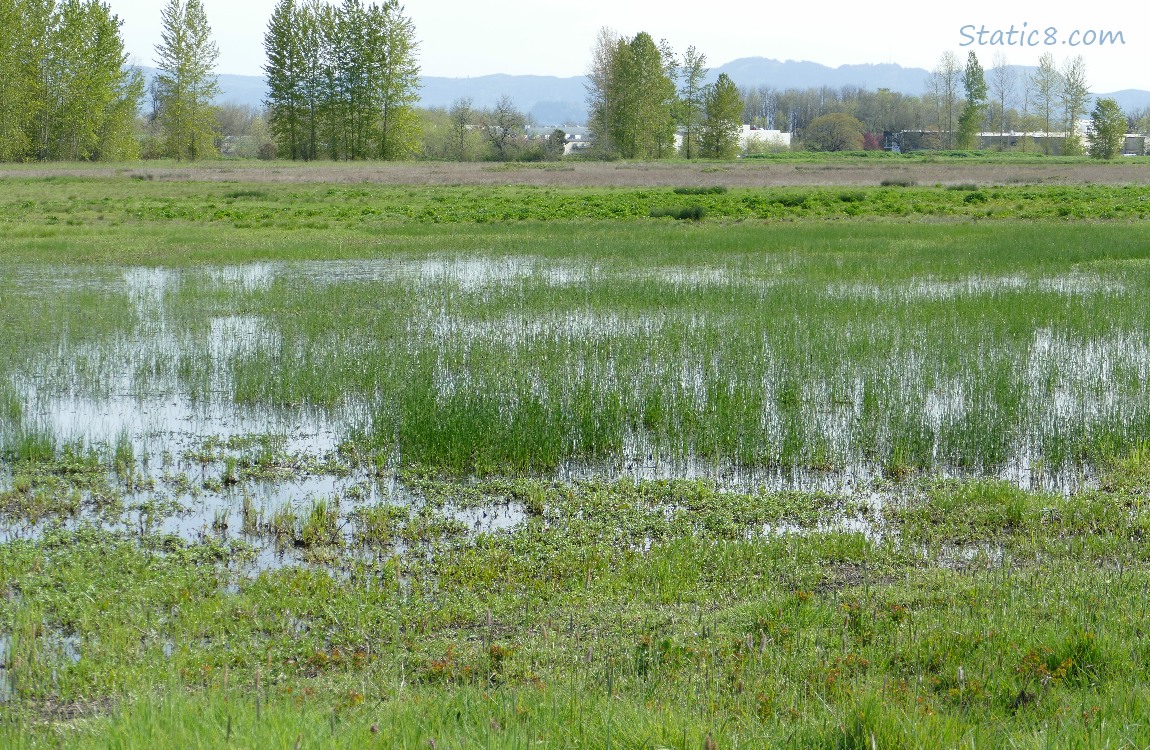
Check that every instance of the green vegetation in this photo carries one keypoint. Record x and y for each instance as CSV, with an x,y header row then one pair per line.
x,y
65,90
366,466
1107,130
342,80
632,97
186,81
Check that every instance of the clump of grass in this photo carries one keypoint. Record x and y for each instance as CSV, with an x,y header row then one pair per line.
x,y
320,526
791,200
963,186
897,182
685,213
713,190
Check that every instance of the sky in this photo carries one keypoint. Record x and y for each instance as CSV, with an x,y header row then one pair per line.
x,y
462,38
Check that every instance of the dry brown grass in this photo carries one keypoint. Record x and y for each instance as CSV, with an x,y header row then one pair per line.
x,y
852,172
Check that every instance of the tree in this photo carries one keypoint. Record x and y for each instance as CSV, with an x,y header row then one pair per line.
x,y
65,89
186,81
343,79
462,117
944,80
837,131
600,88
970,121
631,94
1046,83
1002,89
1073,96
691,101
1107,130
285,70
503,127
395,81
722,119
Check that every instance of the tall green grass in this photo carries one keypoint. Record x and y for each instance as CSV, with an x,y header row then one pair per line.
x,y
978,348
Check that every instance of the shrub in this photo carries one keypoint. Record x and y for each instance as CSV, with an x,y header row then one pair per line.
x,y
715,190
693,213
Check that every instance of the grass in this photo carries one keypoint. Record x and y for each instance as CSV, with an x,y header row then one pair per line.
x,y
361,465
642,614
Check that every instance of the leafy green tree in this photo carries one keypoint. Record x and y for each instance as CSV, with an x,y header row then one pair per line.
x,y
631,95
690,107
186,82
1107,130
837,131
971,119
285,70
65,91
20,28
722,119
397,85
343,79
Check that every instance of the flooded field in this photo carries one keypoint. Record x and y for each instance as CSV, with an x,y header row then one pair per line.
x,y
568,483
242,400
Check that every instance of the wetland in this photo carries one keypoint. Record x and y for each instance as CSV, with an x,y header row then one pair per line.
x,y
409,465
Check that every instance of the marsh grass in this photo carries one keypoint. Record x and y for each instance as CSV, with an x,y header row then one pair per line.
x,y
973,610
455,589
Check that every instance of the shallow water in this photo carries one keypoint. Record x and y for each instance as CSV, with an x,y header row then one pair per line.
x,y
163,383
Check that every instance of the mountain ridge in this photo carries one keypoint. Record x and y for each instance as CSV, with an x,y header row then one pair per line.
x,y
561,100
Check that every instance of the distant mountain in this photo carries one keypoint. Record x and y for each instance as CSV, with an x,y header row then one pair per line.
x,y
1129,99
552,100
798,74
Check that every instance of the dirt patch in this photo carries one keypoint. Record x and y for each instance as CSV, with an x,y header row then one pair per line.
x,y
750,173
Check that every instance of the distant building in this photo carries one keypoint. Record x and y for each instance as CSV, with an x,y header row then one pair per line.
x,y
751,135
1052,143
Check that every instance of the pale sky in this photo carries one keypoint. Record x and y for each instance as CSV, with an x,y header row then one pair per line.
x,y
461,38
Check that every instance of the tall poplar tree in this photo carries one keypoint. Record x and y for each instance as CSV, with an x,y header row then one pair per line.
x,y
1046,82
186,82
1073,96
397,83
18,98
970,121
92,96
342,80
692,94
944,80
65,91
285,71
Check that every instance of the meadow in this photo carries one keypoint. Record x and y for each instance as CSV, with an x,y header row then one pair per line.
x,y
306,462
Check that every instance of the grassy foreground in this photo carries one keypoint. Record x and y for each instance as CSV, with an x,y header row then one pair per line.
x,y
622,614
456,587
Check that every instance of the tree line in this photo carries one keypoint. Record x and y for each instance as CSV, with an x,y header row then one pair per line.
x,y
343,83
961,101
342,80
640,94
65,92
